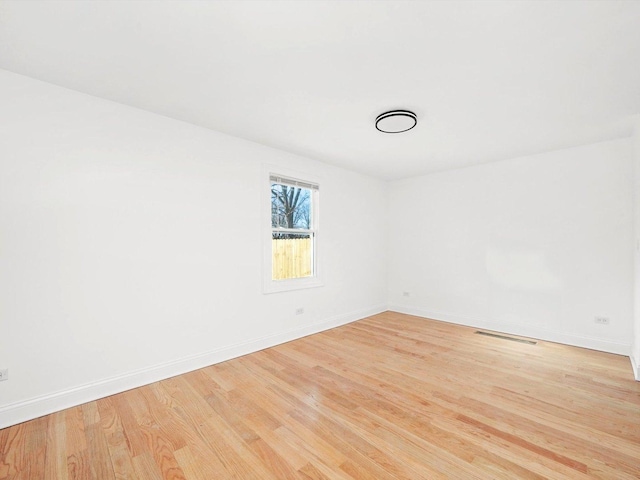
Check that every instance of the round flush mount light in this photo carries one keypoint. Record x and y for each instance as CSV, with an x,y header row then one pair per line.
x,y
396,121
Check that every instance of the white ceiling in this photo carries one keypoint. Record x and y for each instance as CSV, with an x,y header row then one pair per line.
x,y
488,80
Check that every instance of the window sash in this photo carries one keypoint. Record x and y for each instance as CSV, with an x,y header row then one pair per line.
x,y
300,231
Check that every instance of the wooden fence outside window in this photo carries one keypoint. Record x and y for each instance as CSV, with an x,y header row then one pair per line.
x,y
291,258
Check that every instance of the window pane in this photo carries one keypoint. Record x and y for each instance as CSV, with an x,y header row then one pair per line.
x,y
292,255
290,207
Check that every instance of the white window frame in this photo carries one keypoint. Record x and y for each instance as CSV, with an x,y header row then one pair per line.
x,y
275,286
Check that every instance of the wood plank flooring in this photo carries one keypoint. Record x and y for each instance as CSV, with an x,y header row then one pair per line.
x,y
389,397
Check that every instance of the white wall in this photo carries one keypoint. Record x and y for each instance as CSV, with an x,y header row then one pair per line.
x,y
535,246
130,248
635,355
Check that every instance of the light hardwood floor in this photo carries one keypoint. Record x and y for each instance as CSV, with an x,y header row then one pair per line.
x,y
390,396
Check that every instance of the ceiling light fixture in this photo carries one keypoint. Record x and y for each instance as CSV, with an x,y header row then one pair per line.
x,y
396,121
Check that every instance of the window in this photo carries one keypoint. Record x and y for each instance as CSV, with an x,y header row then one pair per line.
x,y
293,235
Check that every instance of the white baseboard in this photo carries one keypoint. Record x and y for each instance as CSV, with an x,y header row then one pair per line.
x,y
524,331
29,409
635,364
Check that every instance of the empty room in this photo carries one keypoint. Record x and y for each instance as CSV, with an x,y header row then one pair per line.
x,y
347,240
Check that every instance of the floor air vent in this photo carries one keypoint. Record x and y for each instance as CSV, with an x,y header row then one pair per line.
x,y
521,340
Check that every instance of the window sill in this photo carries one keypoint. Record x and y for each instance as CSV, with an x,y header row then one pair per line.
x,y
277,286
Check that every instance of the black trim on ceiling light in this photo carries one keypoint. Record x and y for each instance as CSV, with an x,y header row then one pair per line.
x,y
397,113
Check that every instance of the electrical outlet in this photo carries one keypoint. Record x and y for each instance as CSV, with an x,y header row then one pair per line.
x,y
299,311
406,294
601,320
4,374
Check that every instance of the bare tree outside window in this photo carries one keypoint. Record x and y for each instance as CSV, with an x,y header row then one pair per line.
x,y
290,207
